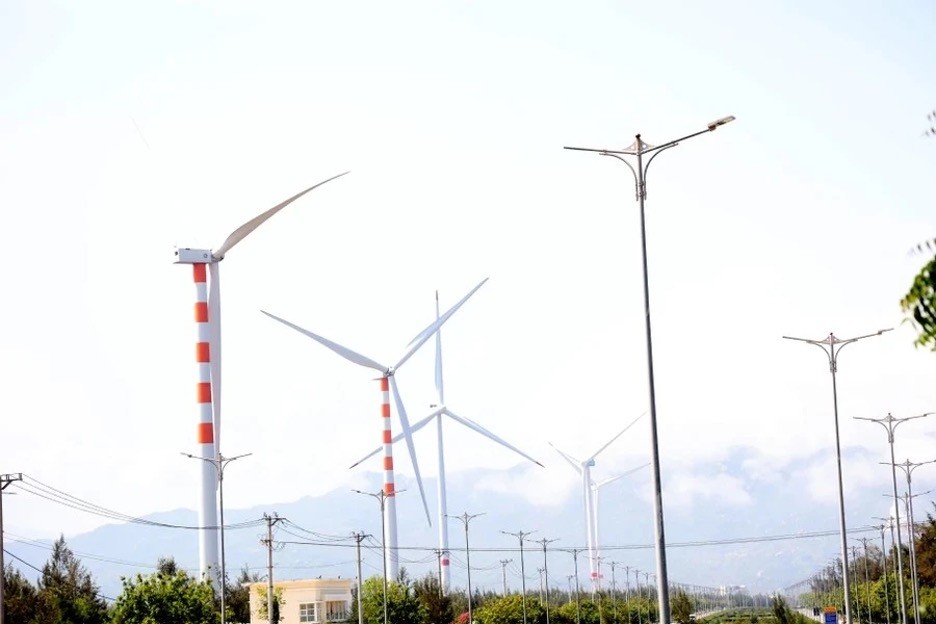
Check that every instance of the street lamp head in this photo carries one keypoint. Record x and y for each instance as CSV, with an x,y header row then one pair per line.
x,y
881,331
720,122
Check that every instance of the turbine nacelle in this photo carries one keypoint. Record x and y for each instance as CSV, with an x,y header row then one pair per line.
x,y
187,255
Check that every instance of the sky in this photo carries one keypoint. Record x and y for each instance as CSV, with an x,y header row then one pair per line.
x,y
129,129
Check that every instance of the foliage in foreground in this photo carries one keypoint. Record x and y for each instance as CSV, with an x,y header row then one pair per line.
x,y
165,598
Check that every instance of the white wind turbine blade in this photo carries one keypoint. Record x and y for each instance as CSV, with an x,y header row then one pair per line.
x,y
408,434
243,231
214,349
344,352
487,434
425,334
595,454
600,484
572,461
422,423
438,361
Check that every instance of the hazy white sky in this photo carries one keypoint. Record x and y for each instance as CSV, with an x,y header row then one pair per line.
x,y
128,128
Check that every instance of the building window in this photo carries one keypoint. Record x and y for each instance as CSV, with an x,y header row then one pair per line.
x,y
336,611
308,612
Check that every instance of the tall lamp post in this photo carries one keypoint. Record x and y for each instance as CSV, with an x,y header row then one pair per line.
x,y
544,543
220,463
520,535
640,149
908,467
382,497
890,425
832,346
883,528
465,518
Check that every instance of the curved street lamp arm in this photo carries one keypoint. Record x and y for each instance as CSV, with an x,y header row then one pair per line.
x,y
658,151
629,166
818,344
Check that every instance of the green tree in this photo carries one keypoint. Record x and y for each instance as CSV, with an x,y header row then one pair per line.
x,y
509,610
681,607
238,596
920,300
278,602
66,590
920,305
402,605
162,598
436,605
20,598
925,550
167,565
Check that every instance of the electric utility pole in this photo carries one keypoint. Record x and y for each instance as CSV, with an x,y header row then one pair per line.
x,y
271,521
504,563
358,538
5,480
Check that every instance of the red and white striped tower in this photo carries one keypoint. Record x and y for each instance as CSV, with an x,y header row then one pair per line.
x,y
389,519
208,509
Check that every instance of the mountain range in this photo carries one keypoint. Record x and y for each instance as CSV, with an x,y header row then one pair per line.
x,y
766,535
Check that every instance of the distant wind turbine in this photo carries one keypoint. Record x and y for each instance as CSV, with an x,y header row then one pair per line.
x,y
388,383
588,493
438,411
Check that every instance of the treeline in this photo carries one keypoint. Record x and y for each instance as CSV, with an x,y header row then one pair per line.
x,y
875,586
65,593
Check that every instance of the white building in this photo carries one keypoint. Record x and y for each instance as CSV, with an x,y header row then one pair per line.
x,y
311,600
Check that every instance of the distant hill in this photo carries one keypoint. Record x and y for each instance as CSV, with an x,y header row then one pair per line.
x,y
696,532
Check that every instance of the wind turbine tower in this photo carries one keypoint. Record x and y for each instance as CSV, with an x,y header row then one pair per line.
x,y
438,411
208,359
388,385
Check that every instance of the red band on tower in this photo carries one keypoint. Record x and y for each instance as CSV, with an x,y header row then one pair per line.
x,y
205,433
202,353
204,392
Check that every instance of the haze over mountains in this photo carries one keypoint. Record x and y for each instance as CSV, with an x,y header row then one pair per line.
x,y
711,512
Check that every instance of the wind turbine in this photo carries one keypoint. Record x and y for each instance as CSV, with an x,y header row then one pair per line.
x,y
208,357
388,383
595,488
438,411
584,469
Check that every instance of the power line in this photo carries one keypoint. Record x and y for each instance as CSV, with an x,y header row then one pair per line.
x,y
26,563
42,490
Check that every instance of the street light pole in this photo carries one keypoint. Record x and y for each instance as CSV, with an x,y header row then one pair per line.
x,y
220,463
520,535
882,528
890,425
465,519
382,497
639,149
578,611
544,543
864,542
908,467
832,346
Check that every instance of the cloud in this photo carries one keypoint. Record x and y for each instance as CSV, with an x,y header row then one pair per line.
x,y
683,490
